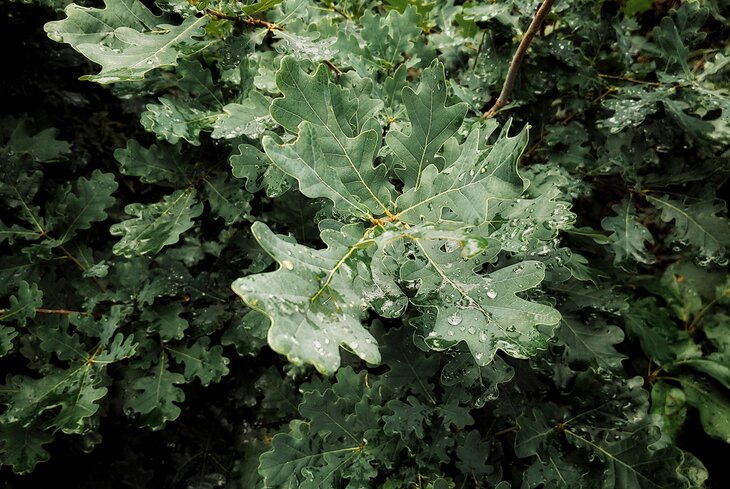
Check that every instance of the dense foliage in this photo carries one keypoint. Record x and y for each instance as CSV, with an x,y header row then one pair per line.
x,y
275,244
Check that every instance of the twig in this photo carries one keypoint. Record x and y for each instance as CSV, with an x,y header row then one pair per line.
x,y
247,19
271,26
627,79
64,312
514,66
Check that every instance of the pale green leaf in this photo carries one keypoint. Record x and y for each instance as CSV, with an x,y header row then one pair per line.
x,y
484,311
175,120
126,39
431,124
249,118
328,158
311,300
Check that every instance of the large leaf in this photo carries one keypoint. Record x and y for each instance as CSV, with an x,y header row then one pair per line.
x,y
311,300
470,186
126,39
484,311
330,158
431,124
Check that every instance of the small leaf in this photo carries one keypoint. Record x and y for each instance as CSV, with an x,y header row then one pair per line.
x,y
89,205
156,225
160,163
155,395
23,305
207,364
175,120
696,223
628,236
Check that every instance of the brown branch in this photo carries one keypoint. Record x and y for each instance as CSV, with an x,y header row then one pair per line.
x,y
64,312
271,26
514,66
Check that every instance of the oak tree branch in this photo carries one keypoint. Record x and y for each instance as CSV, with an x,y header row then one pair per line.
x,y
514,66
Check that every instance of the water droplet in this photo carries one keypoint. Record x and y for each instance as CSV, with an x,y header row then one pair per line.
x,y
455,319
491,294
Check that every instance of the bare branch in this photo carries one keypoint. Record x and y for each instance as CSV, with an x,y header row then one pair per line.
x,y
514,66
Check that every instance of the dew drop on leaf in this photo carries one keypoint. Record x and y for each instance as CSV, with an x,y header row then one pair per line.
x,y
455,319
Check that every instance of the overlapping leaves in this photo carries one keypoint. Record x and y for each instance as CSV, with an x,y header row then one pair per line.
x,y
454,206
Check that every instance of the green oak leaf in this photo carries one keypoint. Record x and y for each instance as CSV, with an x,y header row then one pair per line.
x,y
175,120
473,455
154,396
251,164
311,300
677,33
391,37
126,39
67,397
628,236
6,339
483,381
330,158
282,466
408,366
160,163
696,223
592,342
42,146
470,185
431,124
407,419
248,118
166,321
201,361
22,447
670,404
23,305
484,311
156,225
712,404
88,205
227,199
